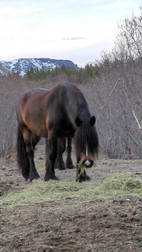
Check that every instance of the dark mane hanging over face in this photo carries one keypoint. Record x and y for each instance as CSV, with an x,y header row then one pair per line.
x,y
86,137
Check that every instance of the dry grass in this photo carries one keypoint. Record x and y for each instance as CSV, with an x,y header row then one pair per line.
x,y
114,186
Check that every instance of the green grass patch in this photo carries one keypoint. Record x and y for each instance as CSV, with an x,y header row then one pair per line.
x,y
122,185
114,186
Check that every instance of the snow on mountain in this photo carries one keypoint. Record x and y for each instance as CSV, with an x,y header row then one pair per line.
x,y
21,66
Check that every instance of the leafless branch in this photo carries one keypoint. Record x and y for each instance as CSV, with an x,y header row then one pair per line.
x,y
137,120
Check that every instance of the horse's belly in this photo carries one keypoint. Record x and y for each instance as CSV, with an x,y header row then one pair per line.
x,y
66,132
38,129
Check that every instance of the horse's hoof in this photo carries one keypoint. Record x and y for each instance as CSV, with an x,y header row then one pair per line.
x,y
54,178
69,165
62,168
36,180
83,178
88,178
50,178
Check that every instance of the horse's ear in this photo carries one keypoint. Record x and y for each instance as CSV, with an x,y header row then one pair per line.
x,y
92,120
78,121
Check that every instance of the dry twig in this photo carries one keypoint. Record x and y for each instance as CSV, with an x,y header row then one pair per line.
x,y
137,120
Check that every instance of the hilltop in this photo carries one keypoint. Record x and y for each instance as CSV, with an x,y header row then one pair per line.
x,y
21,66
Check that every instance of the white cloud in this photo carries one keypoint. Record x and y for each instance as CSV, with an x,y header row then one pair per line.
x,y
39,28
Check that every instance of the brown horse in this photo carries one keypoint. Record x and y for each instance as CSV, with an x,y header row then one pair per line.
x,y
56,114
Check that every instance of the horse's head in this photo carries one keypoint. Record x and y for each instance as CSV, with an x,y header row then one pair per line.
x,y
86,141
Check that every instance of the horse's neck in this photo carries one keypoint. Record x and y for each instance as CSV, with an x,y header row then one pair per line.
x,y
83,113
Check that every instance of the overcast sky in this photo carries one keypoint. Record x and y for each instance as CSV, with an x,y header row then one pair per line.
x,y
78,30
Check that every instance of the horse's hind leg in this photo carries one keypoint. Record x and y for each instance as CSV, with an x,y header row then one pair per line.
x,y
51,152
30,142
69,163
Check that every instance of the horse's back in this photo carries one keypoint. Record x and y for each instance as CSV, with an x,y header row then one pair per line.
x,y
51,111
31,93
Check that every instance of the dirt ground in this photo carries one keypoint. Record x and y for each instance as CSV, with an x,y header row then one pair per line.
x,y
71,225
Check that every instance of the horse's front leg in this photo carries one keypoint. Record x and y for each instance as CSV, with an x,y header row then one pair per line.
x,y
51,157
61,146
81,174
69,163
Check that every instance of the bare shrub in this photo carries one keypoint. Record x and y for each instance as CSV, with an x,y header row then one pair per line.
x,y
10,88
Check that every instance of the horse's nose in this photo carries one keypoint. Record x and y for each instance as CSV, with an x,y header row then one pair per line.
x,y
88,163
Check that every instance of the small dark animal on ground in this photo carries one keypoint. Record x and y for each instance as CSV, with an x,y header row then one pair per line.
x,y
56,114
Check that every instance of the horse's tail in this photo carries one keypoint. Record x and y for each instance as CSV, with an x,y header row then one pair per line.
x,y
22,157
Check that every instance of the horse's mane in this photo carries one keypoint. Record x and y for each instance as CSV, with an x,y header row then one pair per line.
x,y
86,134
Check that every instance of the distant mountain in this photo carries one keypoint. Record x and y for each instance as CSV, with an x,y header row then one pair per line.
x,y
21,66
